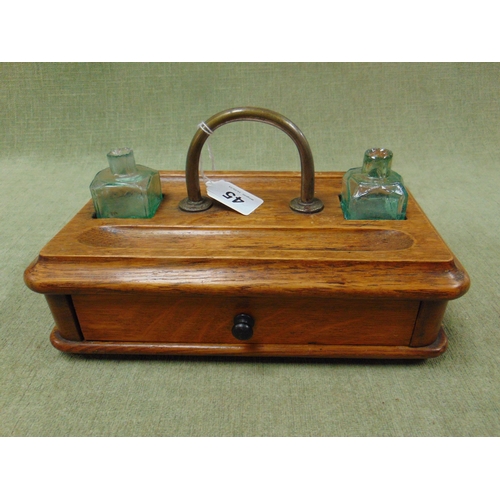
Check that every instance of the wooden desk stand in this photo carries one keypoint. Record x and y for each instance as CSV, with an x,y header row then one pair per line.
x,y
315,285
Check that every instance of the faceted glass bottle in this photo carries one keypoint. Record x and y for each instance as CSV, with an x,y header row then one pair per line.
x,y
374,191
126,190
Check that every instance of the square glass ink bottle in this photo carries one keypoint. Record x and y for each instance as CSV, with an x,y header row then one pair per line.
x,y
374,191
125,189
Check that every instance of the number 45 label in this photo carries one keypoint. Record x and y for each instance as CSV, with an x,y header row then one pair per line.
x,y
234,197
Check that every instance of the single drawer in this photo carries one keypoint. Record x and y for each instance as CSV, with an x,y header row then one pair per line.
x,y
130,317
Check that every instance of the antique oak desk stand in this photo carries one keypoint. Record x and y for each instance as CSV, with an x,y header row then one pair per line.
x,y
291,279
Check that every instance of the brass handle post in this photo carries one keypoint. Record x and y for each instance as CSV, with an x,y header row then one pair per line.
x,y
195,202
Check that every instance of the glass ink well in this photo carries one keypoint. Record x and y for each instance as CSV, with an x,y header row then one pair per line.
x,y
126,190
374,191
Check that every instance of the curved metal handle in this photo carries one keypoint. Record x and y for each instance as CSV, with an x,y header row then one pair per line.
x,y
195,202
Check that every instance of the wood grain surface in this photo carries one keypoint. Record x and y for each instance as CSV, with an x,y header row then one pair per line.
x,y
307,279
278,320
273,249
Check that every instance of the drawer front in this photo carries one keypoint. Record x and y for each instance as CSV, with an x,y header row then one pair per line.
x,y
208,319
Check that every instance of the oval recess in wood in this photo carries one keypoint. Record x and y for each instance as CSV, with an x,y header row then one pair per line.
x,y
252,243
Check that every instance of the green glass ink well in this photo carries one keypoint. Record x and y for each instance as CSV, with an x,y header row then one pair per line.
x,y
124,189
374,191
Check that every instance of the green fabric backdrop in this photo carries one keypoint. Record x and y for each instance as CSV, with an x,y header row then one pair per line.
x,y
442,123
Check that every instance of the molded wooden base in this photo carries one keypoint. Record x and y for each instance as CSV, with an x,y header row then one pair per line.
x,y
249,350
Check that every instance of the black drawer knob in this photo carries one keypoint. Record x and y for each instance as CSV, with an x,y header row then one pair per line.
x,y
243,326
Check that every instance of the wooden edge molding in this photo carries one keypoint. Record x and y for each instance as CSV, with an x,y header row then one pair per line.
x,y
250,350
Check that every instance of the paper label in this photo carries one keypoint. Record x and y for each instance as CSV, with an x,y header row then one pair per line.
x,y
233,197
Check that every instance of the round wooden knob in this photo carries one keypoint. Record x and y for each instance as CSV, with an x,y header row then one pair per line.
x,y
243,326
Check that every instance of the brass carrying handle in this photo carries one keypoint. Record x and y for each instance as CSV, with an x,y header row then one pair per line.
x,y
195,202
